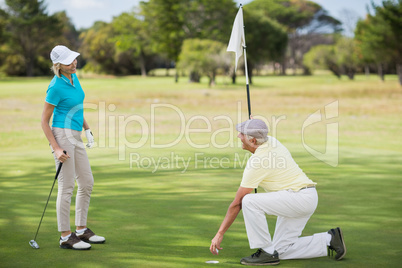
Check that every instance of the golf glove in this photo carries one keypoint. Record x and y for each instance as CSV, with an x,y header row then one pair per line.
x,y
90,138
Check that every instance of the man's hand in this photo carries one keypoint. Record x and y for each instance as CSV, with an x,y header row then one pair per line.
x,y
90,138
231,215
216,244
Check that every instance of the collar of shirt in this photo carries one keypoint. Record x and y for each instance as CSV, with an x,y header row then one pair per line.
x,y
67,80
260,147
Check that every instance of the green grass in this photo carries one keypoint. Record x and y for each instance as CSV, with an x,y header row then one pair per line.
x,y
166,216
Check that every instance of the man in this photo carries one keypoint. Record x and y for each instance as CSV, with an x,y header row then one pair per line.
x,y
290,195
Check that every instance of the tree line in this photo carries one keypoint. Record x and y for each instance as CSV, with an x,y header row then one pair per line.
x,y
376,45
190,36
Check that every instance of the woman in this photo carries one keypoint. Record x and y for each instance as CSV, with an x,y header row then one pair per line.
x,y
65,101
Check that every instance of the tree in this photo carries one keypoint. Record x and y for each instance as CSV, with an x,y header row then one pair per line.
x,y
202,57
266,39
99,48
322,57
170,22
391,13
340,58
119,47
130,36
368,38
70,36
3,23
165,21
379,37
30,35
346,56
306,22
3,37
209,19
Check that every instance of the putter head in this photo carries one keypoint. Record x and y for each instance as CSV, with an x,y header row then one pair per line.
x,y
34,244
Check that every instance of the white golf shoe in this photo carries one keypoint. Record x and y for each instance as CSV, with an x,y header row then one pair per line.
x,y
73,242
90,237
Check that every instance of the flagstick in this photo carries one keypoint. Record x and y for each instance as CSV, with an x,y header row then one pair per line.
x,y
247,83
245,67
248,88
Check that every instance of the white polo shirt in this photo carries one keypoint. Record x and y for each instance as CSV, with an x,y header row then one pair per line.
x,y
272,167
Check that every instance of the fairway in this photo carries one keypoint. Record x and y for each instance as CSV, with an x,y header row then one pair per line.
x,y
167,164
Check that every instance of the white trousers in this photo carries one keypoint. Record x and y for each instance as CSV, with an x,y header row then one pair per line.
x,y
293,210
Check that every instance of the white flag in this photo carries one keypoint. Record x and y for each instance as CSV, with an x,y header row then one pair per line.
x,y
237,40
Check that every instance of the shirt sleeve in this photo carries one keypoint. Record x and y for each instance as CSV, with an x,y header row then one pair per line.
x,y
253,174
52,97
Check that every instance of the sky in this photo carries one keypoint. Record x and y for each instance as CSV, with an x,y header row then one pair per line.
x,y
83,13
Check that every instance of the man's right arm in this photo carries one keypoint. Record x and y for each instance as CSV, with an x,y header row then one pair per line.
x,y
231,215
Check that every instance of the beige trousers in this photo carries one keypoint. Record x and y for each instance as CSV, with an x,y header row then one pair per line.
x,y
75,168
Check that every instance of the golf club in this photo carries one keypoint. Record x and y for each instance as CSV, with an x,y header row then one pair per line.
x,y
33,242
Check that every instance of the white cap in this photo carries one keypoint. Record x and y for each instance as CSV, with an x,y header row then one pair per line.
x,y
63,55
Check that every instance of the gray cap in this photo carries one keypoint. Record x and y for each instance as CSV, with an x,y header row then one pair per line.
x,y
254,127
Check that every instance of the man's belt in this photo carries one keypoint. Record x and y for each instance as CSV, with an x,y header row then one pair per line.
x,y
307,187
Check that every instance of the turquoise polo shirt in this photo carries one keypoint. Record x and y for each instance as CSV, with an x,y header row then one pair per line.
x,y
68,100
